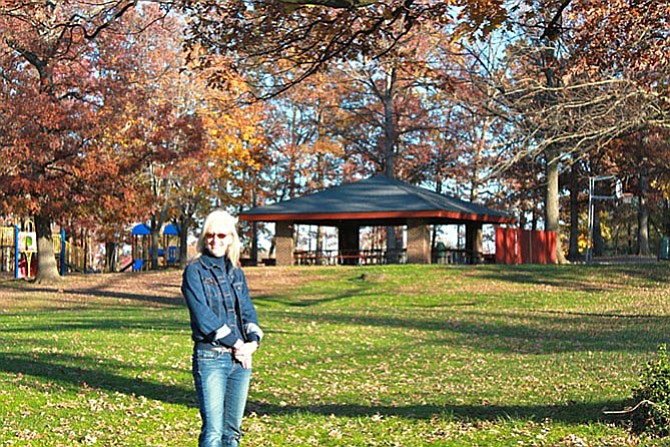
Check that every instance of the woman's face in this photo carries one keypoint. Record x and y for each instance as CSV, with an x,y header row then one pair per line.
x,y
217,239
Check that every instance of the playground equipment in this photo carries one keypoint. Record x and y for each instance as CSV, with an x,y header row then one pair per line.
x,y
168,254
171,241
7,248
70,256
26,251
141,246
18,251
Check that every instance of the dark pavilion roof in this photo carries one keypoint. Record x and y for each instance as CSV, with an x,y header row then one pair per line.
x,y
372,201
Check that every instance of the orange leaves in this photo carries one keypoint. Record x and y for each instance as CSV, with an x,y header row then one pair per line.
x,y
235,137
69,136
624,37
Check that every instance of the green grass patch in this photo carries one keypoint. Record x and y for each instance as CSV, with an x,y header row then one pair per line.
x,y
372,356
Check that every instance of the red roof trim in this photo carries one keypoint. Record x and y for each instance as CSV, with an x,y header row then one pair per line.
x,y
377,215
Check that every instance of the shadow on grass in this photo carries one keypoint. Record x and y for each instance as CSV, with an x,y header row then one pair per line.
x,y
54,369
50,370
533,332
163,300
267,300
571,413
576,276
133,321
155,289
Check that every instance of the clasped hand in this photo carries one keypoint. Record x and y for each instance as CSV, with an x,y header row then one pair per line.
x,y
243,353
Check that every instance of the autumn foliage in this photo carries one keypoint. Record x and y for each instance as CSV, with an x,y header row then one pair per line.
x,y
122,111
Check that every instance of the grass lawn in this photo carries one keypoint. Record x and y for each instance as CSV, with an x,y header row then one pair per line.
x,y
370,356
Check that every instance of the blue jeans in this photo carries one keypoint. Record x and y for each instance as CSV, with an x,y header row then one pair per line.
x,y
222,386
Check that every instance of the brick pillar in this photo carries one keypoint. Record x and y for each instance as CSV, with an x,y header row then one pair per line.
x,y
474,243
418,242
284,243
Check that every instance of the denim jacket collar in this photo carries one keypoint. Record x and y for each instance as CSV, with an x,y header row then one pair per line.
x,y
210,262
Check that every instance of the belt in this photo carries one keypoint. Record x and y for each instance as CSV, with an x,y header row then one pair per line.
x,y
203,346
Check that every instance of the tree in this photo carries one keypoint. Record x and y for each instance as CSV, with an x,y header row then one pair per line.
x,y
554,99
575,179
305,155
236,145
57,75
384,113
554,104
291,40
172,136
191,197
374,117
623,38
642,162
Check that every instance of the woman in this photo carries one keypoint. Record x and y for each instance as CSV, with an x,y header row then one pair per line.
x,y
224,329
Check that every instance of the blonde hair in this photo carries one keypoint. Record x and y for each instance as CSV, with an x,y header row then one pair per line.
x,y
229,223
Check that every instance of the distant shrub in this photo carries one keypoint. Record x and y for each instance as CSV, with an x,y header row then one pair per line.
x,y
652,397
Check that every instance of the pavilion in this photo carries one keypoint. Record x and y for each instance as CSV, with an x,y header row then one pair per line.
x,y
375,201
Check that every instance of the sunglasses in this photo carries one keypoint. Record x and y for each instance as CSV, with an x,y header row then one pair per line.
x,y
219,236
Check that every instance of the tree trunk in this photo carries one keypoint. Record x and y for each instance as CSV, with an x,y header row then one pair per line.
x,y
615,237
551,202
389,143
183,243
184,223
110,256
643,214
643,227
550,65
156,224
573,252
320,242
47,269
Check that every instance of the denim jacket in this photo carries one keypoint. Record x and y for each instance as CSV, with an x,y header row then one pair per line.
x,y
218,301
